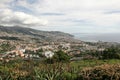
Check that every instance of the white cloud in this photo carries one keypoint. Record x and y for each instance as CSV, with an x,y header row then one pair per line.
x,y
12,18
93,11
4,3
86,14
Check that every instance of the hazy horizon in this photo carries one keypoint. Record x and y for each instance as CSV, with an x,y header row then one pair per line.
x,y
94,37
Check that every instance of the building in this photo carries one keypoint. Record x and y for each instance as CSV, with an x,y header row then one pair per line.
x,y
48,54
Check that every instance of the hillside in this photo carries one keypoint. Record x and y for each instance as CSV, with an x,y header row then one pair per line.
x,y
28,34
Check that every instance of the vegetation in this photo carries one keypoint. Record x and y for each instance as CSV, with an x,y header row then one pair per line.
x,y
9,38
94,65
76,70
6,47
111,53
104,72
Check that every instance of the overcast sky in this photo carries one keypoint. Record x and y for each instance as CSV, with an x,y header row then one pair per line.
x,y
72,16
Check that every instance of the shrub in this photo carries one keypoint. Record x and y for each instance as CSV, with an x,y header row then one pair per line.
x,y
104,72
61,56
111,53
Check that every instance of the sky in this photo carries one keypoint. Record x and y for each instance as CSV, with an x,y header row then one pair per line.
x,y
71,16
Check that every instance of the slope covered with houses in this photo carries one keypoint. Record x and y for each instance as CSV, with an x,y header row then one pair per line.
x,y
26,43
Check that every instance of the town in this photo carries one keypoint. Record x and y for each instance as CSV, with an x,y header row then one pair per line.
x,y
43,49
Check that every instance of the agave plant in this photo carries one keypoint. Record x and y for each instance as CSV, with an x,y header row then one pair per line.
x,y
1,78
47,74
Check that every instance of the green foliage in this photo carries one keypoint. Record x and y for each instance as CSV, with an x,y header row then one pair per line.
x,y
50,74
61,56
111,53
9,38
39,52
69,76
78,70
4,47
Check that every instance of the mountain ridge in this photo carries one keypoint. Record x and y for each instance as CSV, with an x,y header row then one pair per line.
x,y
26,34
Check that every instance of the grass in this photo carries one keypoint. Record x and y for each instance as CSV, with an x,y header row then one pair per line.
x,y
92,63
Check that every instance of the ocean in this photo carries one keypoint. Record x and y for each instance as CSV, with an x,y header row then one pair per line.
x,y
94,37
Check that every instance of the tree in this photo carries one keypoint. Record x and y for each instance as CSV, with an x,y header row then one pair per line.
x,y
111,53
61,56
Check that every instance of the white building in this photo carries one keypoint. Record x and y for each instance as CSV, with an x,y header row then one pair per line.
x,y
48,54
22,50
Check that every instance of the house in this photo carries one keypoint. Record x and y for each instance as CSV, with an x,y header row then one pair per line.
x,y
48,54
65,46
1,59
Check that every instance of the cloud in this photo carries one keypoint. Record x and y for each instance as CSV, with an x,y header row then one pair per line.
x,y
52,14
4,3
12,18
85,15
113,12
92,11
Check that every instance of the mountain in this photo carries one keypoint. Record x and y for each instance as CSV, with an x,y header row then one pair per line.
x,y
29,34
